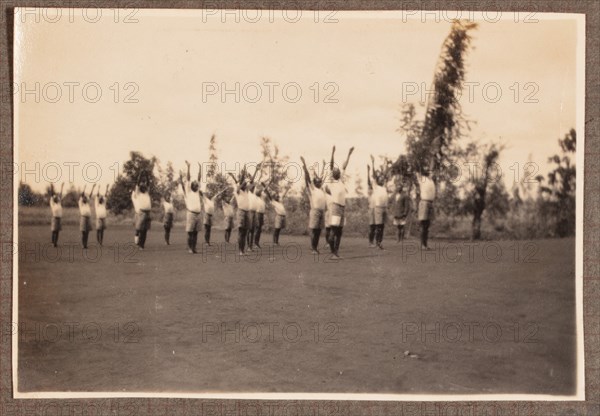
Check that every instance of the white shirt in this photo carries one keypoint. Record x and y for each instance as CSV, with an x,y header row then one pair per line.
x,y
192,199
371,199
261,207
427,188
141,201
209,206
279,208
318,199
56,208
380,196
252,203
84,208
338,192
242,200
100,208
168,207
227,209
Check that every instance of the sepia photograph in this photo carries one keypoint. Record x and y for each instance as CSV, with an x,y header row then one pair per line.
x,y
298,204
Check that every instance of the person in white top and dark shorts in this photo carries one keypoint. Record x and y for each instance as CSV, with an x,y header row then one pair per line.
x,y
57,212
318,206
168,215
142,204
85,215
100,207
193,205
337,190
425,211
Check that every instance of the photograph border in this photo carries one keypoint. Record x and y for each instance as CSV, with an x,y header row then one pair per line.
x,y
587,211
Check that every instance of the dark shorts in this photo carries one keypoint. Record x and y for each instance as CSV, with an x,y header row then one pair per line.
x,y
142,221
228,223
192,221
279,221
372,216
316,219
251,219
208,219
243,218
100,223
259,220
85,224
425,210
379,215
56,224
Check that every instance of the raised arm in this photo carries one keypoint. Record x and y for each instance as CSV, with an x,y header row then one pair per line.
x,y
373,167
181,182
214,198
233,177
106,191
83,192
188,177
62,187
332,162
51,190
92,191
199,173
306,173
347,159
369,183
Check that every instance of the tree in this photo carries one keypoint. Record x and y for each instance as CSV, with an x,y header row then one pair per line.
x,y
119,197
217,180
430,141
166,181
28,197
276,166
560,190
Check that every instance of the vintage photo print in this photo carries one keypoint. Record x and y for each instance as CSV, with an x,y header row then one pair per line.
x,y
298,204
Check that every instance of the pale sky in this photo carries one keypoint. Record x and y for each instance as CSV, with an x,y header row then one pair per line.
x,y
172,56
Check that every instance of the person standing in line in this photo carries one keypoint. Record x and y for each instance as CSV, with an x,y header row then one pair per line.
x,y
193,205
228,214
209,211
241,199
169,212
337,190
371,209
142,204
380,203
401,209
100,206
85,214
57,212
425,213
318,205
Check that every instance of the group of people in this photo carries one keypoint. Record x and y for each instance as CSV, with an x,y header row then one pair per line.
x,y
247,207
85,214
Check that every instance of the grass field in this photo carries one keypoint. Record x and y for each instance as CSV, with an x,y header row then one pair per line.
x,y
499,319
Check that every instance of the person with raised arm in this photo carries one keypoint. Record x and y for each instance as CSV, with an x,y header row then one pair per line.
x,y
380,203
241,199
100,207
85,214
337,190
318,205
280,213
401,208
169,212
142,205
228,214
57,212
193,205
209,210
